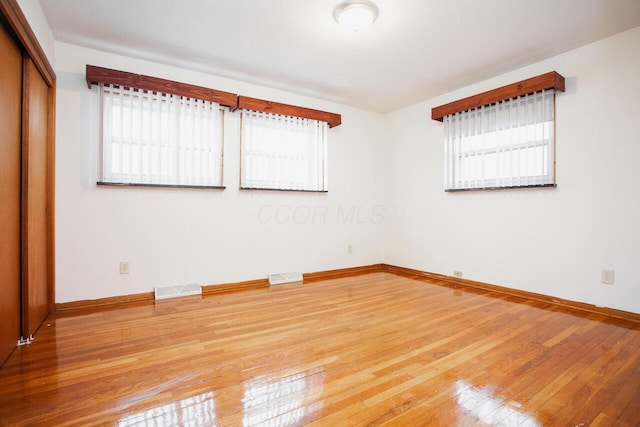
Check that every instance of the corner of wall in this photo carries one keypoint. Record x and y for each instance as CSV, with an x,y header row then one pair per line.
x,y
32,10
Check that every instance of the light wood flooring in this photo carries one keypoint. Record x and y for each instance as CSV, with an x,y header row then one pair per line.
x,y
376,349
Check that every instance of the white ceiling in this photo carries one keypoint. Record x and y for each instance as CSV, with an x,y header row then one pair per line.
x,y
415,50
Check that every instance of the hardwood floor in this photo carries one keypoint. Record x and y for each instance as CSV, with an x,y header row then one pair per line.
x,y
376,349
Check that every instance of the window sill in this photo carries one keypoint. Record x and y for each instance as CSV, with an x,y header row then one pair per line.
x,y
282,189
515,187
122,184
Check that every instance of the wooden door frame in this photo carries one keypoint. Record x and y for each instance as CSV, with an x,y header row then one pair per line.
x,y
18,25
10,188
17,22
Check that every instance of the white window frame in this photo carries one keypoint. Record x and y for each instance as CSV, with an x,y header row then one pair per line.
x,y
509,144
160,139
280,152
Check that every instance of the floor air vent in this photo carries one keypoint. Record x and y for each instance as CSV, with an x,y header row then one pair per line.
x,y
279,278
177,291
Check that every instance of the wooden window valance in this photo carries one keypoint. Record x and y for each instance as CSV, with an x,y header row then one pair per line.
x,y
97,75
551,80
254,104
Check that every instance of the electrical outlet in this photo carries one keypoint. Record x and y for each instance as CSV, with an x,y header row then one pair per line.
x,y
457,273
349,249
606,277
124,267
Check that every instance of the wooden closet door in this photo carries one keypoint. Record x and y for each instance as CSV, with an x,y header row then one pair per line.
x,y
10,112
35,244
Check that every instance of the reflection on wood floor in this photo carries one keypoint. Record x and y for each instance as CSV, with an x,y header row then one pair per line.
x,y
376,349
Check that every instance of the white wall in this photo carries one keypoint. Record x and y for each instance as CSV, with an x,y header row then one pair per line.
x,y
550,241
177,236
385,198
38,23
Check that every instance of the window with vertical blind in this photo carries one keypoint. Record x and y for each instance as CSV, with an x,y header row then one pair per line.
x,y
280,152
159,132
504,145
502,138
153,138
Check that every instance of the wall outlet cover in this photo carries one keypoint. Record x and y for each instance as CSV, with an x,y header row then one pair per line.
x,y
607,277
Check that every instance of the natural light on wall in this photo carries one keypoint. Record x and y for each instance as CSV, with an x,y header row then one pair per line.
x,y
507,144
283,153
151,138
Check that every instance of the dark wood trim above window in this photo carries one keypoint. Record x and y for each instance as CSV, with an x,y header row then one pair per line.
x,y
97,75
551,80
254,104
10,12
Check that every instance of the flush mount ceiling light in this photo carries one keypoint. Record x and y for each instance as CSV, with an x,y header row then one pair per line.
x,y
356,15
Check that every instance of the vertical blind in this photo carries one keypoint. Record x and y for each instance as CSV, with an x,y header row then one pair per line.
x,y
503,145
162,139
283,152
